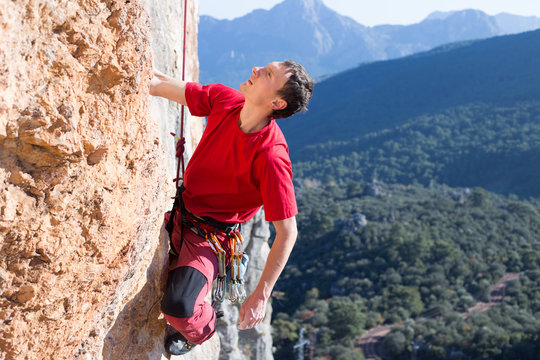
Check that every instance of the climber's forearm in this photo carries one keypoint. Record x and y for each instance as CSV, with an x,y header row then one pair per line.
x,y
167,87
253,310
286,233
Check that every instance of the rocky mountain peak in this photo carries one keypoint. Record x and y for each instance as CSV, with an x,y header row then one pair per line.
x,y
308,10
326,42
304,4
439,15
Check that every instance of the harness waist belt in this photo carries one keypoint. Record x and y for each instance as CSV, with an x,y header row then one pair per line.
x,y
209,224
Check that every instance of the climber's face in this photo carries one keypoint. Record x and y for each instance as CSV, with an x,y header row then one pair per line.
x,y
262,87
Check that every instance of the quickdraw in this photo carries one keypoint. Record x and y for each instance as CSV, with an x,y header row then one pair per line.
x,y
233,289
237,292
220,254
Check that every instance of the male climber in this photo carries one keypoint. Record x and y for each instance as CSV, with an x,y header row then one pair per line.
x,y
241,163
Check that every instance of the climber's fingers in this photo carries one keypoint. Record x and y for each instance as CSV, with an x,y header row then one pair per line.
x,y
252,312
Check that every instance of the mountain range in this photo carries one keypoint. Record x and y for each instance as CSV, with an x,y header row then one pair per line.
x,y
464,114
326,42
386,94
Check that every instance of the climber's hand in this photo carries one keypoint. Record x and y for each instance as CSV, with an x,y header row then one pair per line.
x,y
252,311
156,81
167,87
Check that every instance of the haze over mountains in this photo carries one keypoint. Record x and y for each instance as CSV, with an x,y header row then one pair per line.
x,y
376,96
327,42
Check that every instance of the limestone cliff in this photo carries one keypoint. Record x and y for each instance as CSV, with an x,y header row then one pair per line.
x,y
86,164
83,178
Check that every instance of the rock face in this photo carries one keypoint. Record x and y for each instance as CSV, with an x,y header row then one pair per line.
x,y
84,182
86,163
166,27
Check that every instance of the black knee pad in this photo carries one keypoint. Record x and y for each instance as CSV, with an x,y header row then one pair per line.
x,y
184,285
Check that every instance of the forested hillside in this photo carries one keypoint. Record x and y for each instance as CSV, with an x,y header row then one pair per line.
x,y
418,189
495,147
371,253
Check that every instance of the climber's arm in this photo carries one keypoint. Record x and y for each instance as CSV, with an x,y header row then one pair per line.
x,y
167,87
253,310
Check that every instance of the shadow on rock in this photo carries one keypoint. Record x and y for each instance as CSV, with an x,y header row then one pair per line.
x,y
139,332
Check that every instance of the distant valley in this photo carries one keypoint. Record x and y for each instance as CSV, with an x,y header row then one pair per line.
x,y
416,173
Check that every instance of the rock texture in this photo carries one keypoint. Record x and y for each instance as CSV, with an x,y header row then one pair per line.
x,y
83,181
166,26
86,163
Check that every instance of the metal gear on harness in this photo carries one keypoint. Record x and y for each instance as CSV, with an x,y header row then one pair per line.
x,y
220,254
237,292
230,284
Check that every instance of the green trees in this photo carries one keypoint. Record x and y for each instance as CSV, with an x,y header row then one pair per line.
x,y
477,144
479,197
427,254
346,318
394,344
406,297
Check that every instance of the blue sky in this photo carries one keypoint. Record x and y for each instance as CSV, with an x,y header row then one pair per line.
x,y
370,12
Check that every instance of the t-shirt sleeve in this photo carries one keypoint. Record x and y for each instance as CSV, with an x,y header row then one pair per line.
x,y
274,171
198,99
202,99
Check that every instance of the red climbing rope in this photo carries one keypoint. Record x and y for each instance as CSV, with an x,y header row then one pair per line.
x,y
181,141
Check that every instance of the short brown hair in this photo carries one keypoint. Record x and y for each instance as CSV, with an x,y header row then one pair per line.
x,y
297,91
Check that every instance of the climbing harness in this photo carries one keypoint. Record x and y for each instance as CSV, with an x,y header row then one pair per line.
x,y
230,283
230,280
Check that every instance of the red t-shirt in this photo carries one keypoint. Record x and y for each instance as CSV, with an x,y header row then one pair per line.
x,y
232,174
